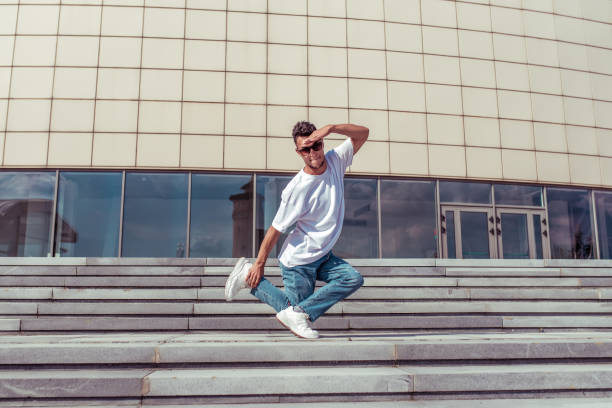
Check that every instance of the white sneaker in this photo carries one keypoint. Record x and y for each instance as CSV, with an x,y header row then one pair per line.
x,y
237,279
297,322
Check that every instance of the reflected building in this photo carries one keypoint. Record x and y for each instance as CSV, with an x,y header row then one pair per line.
x,y
242,220
24,227
148,214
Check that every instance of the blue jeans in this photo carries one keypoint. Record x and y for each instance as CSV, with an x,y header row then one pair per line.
x,y
341,278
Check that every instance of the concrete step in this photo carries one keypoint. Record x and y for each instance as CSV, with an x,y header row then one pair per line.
x,y
429,281
7,282
10,325
102,281
577,402
369,293
472,403
404,380
330,322
360,262
347,307
101,294
454,403
209,349
432,293
367,267
242,369
541,293
365,293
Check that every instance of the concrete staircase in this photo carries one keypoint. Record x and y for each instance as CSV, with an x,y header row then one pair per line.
x,y
102,294
420,333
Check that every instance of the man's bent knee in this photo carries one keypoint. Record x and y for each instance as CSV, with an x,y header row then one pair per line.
x,y
354,280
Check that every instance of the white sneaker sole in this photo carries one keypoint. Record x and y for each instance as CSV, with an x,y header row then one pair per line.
x,y
231,280
294,333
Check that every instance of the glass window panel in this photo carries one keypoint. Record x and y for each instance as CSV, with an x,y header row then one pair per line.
x,y
571,232
537,232
507,194
269,189
515,238
408,216
474,235
26,204
88,212
155,215
459,192
221,216
603,204
359,238
450,235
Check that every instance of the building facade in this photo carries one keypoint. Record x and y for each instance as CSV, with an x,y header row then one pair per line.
x,y
163,127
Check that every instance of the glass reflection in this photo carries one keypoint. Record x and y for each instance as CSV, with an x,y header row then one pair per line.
x,y
269,189
221,216
603,204
460,192
571,232
359,238
537,232
515,238
507,194
408,217
26,204
450,235
155,215
474,235
88,210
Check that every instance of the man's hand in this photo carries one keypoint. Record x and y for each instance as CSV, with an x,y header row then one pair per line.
x,y
255,274
257,270
318,135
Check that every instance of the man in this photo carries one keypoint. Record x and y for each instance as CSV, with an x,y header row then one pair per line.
x,y
312,209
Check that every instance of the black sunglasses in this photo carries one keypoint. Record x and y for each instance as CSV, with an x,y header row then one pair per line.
x,y
316,147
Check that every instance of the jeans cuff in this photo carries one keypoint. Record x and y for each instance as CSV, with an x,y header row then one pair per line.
x,y
300,309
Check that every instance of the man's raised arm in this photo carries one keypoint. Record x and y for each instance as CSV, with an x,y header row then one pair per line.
x,y
358,134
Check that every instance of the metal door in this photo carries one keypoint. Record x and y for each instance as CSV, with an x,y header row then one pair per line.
x,y
468,232
522,234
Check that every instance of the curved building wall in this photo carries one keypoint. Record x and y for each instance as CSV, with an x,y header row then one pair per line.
x,y
505,90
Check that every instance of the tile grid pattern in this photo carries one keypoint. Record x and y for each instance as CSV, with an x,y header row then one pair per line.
x,y
497,99
465,149
425,101
93,127
499,130
225,87
139,110
388,152
548,151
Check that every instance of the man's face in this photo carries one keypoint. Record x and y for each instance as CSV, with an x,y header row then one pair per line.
x,y
313,158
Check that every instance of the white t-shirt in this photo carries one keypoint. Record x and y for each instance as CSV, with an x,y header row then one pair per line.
x,y
315,204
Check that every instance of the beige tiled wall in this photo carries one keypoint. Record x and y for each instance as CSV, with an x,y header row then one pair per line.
x,y
515,90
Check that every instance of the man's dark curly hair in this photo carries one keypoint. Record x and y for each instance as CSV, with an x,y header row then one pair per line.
x,y
302,128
